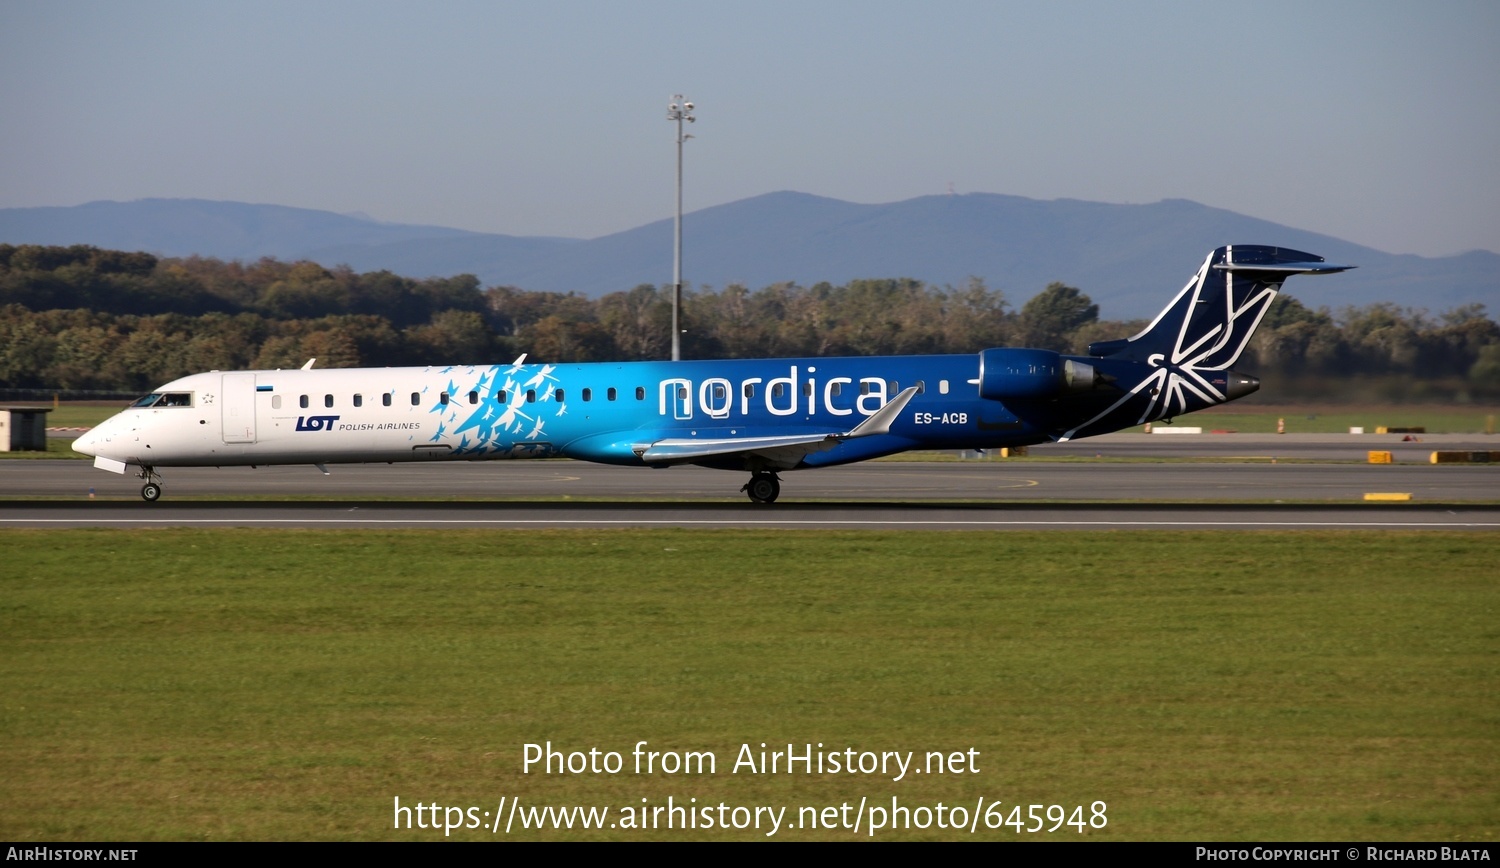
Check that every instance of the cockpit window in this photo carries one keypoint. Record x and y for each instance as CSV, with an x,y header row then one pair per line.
x,y
166,399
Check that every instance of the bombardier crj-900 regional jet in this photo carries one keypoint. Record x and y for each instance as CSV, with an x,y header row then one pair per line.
x,y
761,416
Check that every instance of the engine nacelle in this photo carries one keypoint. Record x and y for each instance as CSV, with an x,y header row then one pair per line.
x,y
1010,372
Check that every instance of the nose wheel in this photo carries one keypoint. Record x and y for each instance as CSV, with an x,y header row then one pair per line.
x,y
763,487
151,491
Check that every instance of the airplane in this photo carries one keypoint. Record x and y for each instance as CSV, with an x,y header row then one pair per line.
x,y
761,416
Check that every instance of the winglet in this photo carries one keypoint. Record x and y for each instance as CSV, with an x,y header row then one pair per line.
x,y
520,360
308,366
880,422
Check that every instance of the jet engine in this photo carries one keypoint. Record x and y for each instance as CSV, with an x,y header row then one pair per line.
x,y
1010,372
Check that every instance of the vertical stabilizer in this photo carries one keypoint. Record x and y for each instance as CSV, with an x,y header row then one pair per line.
x,y
1210,322
1191,345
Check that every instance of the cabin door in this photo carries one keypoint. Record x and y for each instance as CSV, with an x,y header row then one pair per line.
x,y
237,400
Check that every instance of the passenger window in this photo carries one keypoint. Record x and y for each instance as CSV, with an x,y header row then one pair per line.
x,y
473,397
416,398
921,387
531,396
558,395
500,396
359,400
275,402
588,394
895,387
807,387
942,387
864,388
682,393
302,402
443,399
385,400
778,390
835,389
611,393
327,400
640,393
749,390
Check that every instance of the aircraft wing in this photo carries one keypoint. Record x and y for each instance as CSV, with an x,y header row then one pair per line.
x,y
781,451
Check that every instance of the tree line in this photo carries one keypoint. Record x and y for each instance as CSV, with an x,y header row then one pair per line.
x,y
84,318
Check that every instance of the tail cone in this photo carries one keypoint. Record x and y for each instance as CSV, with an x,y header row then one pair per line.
x,y
1240,385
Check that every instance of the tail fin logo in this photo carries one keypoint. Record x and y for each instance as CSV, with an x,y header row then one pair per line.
x,y
1205,329
1216,314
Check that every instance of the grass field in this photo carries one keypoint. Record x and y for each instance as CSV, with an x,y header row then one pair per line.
x,y
77,414
290,685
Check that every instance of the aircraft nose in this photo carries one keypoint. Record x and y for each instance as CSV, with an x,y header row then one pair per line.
x,y
88,442
97,439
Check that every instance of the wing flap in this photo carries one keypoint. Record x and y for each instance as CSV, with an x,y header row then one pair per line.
x,y
778,450
782,451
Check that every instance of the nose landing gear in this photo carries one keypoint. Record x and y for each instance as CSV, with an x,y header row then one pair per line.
x,y
763,487
151,491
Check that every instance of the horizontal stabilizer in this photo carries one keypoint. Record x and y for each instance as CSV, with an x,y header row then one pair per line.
x,y
1264,259
1285,267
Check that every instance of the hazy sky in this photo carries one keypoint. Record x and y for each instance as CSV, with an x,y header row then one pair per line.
x,y
1378,122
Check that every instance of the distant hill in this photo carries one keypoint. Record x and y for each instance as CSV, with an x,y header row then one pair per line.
x,y
1129,258
184,227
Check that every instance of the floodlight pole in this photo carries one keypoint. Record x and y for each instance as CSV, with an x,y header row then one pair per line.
x,y
680,110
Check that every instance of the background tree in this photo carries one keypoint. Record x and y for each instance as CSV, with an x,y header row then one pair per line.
x,y
562,338
454,336
82,317
975,318
639,322
1050,318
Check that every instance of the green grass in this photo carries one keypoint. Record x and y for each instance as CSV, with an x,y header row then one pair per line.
x,y
289,685
78,414
57,447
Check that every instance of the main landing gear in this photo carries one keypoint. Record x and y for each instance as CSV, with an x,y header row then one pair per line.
x,y
151,491
763,486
